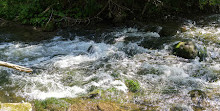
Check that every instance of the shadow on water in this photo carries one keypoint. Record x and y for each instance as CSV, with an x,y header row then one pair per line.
x,y
14,32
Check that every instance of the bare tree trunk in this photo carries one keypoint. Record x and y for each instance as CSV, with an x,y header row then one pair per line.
x,y
14,66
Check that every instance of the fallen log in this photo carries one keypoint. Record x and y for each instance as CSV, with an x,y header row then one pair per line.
x,y
14,66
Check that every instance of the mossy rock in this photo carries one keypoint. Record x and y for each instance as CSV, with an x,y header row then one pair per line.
x,y
94,92
15,107
132,85
51,104
186,50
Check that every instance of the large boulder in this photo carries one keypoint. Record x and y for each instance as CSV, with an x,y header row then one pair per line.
x,y
186,50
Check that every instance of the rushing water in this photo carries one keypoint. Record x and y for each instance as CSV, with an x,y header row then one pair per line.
x,y
70,66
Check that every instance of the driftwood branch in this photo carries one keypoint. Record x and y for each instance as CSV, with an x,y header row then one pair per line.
x,y
17,67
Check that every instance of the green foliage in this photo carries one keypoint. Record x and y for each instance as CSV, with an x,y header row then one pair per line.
x,y
153,8
203,3
91,8
209,2
132,85
39,12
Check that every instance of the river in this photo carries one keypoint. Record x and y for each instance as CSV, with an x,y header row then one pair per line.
x,y
70,65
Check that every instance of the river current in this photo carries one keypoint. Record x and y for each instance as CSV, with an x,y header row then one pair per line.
x,y
68,66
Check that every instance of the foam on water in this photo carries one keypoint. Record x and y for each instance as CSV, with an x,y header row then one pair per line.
x,y
43,86
53,55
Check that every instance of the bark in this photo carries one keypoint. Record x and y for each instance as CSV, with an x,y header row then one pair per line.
x,y
14,66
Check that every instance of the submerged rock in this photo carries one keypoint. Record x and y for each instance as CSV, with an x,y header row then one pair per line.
x,y
132,85
180,108
198,99
202,53
91,49
197,94
186,50
167,31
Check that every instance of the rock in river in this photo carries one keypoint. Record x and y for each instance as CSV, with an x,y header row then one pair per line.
x,y
186,50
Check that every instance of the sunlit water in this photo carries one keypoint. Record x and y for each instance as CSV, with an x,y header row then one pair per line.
x,y
69,67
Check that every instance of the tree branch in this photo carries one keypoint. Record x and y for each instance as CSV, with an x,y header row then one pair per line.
x,y
17,67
